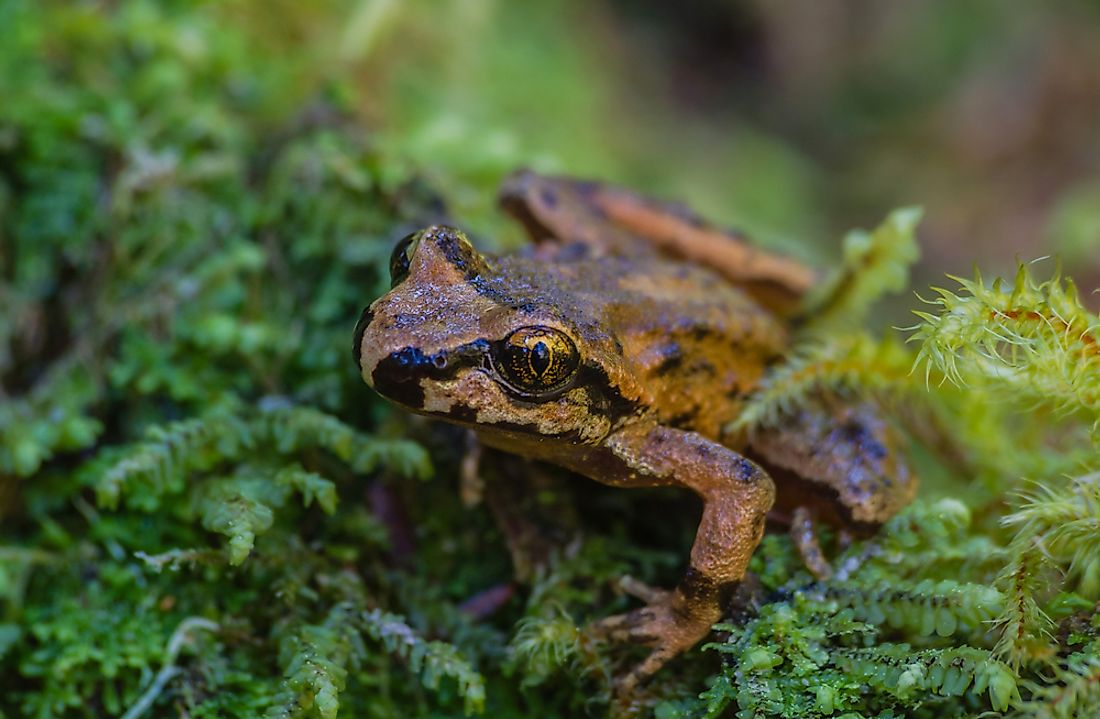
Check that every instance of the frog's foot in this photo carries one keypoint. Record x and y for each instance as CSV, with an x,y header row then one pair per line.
x,y
640,590
670,625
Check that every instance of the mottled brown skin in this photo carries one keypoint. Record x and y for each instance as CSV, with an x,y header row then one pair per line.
x,y
609,349
615,220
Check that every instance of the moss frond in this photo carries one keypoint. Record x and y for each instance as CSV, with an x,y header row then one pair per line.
x,y
162,464
1024,627
926,541
1064,521
874,264
927,608
807,658
1075,692
316,660
902,673
431,661
1032,342
851,364
544,644
55,416
294,429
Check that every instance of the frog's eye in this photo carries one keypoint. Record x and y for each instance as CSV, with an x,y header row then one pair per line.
x,y
401,257
537,360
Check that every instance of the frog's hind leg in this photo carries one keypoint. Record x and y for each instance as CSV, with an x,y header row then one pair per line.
x,y
841,459
736,496
612,219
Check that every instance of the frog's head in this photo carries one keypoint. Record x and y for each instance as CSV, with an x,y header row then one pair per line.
x,y
451,340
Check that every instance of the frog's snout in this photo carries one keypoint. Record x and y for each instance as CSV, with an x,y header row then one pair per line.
x,y
388,369
360,330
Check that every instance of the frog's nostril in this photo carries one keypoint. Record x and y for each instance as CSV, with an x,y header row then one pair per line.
x,y
410,363
404,364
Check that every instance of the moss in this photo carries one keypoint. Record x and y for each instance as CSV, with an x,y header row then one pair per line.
x,y
206,513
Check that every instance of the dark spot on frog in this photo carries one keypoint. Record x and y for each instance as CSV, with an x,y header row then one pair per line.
x,y
677,210
548,197
695,585
458,253
671,357
856,434
493,290
463,413
406,393
468,416
586,188
399,260
702,367
604,397
405,320
684,419
360,328
746,471
397,376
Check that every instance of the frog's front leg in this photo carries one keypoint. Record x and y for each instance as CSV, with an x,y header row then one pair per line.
x,y
736,496
536,523
804,535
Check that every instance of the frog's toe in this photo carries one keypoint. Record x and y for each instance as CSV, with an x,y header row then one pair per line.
x,y
640,590
640,626
669,627
627,685
665,624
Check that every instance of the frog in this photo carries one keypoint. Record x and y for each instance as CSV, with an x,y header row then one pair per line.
x,y
622,344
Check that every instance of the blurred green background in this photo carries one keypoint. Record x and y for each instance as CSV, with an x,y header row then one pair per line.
x,y
795,120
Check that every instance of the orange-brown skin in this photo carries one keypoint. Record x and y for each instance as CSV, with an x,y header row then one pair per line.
x,y
612,351
612,219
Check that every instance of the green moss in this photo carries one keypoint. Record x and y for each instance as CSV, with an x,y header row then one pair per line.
x,y
206,513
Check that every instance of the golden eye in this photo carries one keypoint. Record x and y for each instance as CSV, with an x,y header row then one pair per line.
x,y
537,360
401,257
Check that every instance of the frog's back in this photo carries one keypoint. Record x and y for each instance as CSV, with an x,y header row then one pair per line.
x,y
674,338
